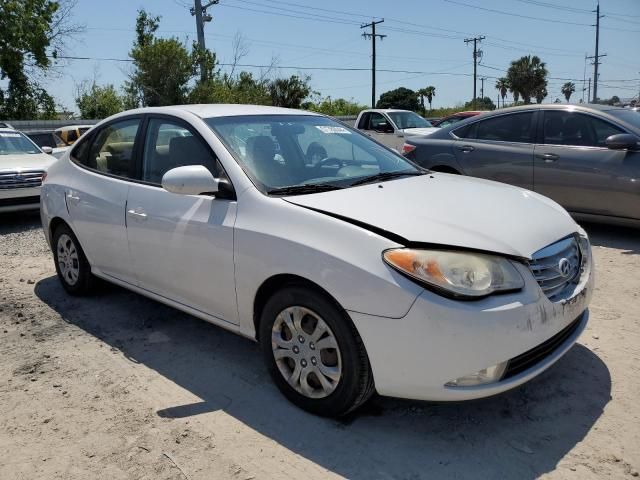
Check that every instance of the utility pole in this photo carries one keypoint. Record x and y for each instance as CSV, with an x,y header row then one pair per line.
x,y
475,41
200,12
596,57
589,93
584,78
482,79
373,36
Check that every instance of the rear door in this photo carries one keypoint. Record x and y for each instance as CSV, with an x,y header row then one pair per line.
x,y
97,195
498,148
182,245
574,167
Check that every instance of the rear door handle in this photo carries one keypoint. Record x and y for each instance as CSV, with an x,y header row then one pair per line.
x,y
466,148
548,157
140,215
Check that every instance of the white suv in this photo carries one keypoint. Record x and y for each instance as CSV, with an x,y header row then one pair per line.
x,y
356,272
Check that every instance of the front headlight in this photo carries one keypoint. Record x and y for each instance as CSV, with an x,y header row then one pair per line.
x,y
460,274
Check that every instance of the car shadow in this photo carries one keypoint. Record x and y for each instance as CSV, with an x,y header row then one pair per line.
x,y
16,222
626,239
521,434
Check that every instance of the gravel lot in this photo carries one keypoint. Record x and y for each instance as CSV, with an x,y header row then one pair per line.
x,y
116,386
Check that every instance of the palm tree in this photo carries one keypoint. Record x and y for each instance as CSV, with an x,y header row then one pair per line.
x,y
428,92
502,85
528,76
567,89
541,94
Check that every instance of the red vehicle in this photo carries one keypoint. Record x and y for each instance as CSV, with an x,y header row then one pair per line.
x,y
456,117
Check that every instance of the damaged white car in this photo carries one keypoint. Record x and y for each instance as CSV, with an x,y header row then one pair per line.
x,y
357,272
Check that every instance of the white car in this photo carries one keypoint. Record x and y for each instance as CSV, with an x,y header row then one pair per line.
x,y
390,126
357,273
22,166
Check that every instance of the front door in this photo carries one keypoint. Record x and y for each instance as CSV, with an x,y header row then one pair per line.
x,y
574,167
498,148
97,196
182,245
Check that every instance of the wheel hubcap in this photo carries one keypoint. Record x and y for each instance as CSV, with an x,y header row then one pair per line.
x,y
68,260
306,352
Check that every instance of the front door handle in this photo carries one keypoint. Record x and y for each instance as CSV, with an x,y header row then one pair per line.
x,y
548,157
71,198
137,214
466,148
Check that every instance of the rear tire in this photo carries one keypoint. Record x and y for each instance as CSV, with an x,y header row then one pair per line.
x,y
72,266
331,378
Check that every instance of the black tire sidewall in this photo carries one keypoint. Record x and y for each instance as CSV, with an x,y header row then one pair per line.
x,y
355,365
84,283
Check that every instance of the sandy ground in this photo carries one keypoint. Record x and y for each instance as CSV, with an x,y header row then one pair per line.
x,y
116,386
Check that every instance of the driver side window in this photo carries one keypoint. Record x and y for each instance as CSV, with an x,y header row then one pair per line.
x,y
169,145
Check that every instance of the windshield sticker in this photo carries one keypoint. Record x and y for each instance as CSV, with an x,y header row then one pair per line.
x,y
11,135
329,129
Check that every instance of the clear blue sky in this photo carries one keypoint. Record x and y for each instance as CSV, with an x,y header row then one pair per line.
x,y
422,36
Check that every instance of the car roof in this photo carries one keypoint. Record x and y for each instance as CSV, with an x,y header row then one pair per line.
x,y
385,110
28,132
9,130
73,127
223,110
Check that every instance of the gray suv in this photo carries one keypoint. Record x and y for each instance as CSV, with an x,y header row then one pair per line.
x,y
586,158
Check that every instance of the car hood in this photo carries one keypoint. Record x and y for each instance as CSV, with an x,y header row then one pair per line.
x,y
449,210
419,131
29,161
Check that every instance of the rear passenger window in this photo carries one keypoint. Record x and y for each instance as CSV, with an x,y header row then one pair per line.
x,y
170,145
112,149
516,127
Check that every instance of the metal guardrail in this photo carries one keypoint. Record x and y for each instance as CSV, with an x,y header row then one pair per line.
x,y
47,124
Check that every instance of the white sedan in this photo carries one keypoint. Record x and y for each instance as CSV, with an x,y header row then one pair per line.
x,y
358,272
22,167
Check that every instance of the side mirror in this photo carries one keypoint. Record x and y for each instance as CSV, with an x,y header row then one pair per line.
x,y
47,150
383,127
622,141
190,180
400,133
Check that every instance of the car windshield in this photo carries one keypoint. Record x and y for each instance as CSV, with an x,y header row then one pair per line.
x,y
627,115
300,153
408,120
14,143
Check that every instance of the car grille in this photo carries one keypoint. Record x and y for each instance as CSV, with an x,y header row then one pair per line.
x,y
528,359
22,179
557,268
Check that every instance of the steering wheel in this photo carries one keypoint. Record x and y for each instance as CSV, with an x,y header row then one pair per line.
x,y
330,161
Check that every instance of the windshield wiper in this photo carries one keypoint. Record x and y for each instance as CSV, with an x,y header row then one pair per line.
x,y
303,189
382,176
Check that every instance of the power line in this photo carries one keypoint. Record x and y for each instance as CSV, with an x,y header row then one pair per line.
x,y
529,17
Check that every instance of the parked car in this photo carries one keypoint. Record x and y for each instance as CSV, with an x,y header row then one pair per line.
x,y
586,158
48,138
455,118
361,272
390,126
5,125
22,167
71,133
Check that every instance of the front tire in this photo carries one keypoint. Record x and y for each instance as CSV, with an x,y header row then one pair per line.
x,y
72,266
314,353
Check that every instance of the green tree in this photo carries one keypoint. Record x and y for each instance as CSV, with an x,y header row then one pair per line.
x,y
162,67
480,104
567,89
30,31
402,98
97,102
334,107
528,77
541,94
502,85
289,92
427,93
